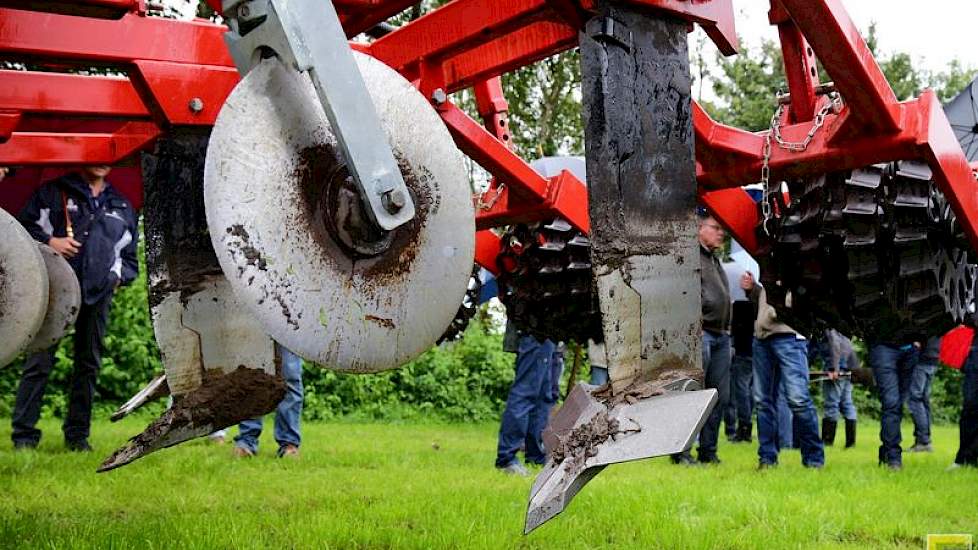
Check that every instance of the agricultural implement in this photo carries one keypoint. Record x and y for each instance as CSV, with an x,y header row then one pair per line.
x,y
304,188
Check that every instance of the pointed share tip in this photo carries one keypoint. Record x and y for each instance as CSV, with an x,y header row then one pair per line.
x,y
588,434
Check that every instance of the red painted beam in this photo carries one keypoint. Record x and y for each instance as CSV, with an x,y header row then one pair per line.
x,y
951,171
507,53
728,157
454,28
487,248
799,65
43,148
186,94
70,94
846,57
90,40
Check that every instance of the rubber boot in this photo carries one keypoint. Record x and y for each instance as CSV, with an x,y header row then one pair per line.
x,y
744,433
828,431
850,433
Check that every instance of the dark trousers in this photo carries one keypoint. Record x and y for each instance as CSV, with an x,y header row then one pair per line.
x,y
528,406
918,401
716,363
741,384
968,424
892,368
89,332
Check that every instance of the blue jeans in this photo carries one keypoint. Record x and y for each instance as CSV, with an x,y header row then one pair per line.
x,y
716,364
742,394
786,429
287,414
528,406
918,401
892,369
781,366
836,397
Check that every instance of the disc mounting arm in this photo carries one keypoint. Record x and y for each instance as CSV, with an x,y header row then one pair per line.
x,y
307,36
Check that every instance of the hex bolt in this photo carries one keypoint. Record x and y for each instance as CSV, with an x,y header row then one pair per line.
x,y
394,200
244,11
196,105
439,97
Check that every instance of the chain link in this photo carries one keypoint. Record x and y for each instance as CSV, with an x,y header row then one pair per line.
x,y
774,135
482,205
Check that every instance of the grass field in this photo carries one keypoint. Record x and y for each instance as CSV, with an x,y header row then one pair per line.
x,y
433,486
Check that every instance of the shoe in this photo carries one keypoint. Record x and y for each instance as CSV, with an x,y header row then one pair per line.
x,y
921,448
216,439
953,466
25,445
711,459
80,446
683,459
288,450
814,466
894,466
828,431
767,465
241,452
515,468
744,434
850,433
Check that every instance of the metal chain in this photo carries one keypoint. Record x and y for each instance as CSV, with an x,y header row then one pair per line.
x,y
481,205
835,100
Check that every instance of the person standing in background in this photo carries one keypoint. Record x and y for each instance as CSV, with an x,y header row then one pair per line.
x,y
839,358
918,397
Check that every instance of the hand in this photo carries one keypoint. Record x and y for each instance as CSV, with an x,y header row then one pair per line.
x,y
747,281
65,246
833,374
3,172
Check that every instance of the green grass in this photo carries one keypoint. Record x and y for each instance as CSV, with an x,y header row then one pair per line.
x,y
433,486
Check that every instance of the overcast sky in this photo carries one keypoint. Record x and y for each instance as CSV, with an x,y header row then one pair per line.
x,y
934,31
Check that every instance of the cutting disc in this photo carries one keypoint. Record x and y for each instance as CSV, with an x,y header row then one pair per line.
x,y
23,288
64,300
291,233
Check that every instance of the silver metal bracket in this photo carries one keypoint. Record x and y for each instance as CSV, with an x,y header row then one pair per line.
x,y
307,36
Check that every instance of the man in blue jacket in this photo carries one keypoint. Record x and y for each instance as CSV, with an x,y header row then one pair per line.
x,y
85,220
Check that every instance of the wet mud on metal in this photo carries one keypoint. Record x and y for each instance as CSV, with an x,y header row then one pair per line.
x,y
179,254
221,401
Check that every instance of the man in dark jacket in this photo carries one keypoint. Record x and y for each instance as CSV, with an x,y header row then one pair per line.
x,y
716,307
84,219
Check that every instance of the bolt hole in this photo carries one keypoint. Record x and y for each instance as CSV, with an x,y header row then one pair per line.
x,y
505,137
810,52
502,123
814,74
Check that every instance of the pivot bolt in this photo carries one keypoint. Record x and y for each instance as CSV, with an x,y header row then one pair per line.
x,y
439,97
196,105
393,201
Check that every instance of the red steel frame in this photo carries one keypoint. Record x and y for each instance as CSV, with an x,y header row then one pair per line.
x,y
470,43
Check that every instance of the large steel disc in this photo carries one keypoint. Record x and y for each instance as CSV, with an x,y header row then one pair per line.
x,y
291,233
23,288
64,300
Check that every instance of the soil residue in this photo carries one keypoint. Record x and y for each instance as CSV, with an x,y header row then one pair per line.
x,y
321,174
179,254
583,441
221,401
386,323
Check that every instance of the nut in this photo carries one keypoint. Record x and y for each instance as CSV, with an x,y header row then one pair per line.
x,y
439,97
196,105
